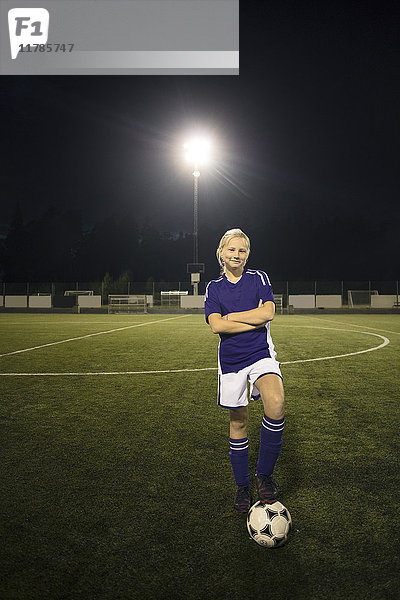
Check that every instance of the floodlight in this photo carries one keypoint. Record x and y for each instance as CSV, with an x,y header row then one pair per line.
x,y
197,151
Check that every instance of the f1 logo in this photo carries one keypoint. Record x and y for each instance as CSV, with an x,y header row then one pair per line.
x,y
27,26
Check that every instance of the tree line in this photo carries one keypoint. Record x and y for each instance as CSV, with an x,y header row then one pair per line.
x,y
55,247
295,244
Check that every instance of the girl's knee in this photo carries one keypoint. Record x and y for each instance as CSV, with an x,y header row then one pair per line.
x,y
238,421
238,425
274,406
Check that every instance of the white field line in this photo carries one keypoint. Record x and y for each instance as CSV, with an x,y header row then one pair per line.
x,y
290,362
322,319
82,337
384,343
109,373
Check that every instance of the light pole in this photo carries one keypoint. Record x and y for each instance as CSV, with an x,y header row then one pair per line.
x,y
197,152
196,175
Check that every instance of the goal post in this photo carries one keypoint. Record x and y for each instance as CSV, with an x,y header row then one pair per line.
x,y
172,297
359,298
278,303
124,304
78,293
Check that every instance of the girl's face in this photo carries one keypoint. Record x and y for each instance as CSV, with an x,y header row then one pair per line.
x,y
235,254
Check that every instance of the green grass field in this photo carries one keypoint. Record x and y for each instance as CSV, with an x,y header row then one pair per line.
x,y
115,476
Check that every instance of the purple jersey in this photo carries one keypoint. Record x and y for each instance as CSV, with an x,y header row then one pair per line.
x,y
239,350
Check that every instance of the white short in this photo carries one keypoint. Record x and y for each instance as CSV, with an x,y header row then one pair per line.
x,y
232,387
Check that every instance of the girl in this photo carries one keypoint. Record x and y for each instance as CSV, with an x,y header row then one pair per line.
x,y
239,306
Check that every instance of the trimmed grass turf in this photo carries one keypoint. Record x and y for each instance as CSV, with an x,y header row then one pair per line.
x,y
119,486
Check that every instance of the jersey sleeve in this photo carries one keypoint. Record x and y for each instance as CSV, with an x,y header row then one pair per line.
x,y
265,288
211,301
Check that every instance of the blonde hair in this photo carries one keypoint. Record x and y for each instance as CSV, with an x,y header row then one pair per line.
x,y
226,238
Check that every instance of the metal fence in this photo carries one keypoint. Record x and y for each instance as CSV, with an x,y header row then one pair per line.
x,y
284,288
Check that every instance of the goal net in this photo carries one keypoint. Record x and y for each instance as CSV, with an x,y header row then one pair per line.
x,y
358,298
172,298
126,303
279,303
78,293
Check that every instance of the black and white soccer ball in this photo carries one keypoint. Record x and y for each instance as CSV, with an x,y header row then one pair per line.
x,y
269,524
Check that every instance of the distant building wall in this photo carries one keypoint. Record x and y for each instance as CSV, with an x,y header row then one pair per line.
x,y
302,300
89,301
16,302
328,301
40,301
384,301
192,301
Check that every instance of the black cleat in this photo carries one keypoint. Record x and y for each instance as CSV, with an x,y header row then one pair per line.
x,y
266,489
243,499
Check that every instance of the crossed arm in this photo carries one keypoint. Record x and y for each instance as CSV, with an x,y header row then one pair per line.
x,y
242,321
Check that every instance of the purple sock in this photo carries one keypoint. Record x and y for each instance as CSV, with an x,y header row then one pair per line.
x,y
239,455
270,444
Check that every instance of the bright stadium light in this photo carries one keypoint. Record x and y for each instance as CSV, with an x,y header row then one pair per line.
x,y
197,152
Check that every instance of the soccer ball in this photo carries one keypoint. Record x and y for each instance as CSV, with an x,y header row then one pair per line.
x,y
269,524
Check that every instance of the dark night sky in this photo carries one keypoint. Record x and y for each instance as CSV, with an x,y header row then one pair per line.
x,y
305,142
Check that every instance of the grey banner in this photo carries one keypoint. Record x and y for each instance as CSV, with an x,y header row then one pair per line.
x,y
113,37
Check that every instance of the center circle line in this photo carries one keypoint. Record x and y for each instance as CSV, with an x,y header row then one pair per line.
x,y
385,342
